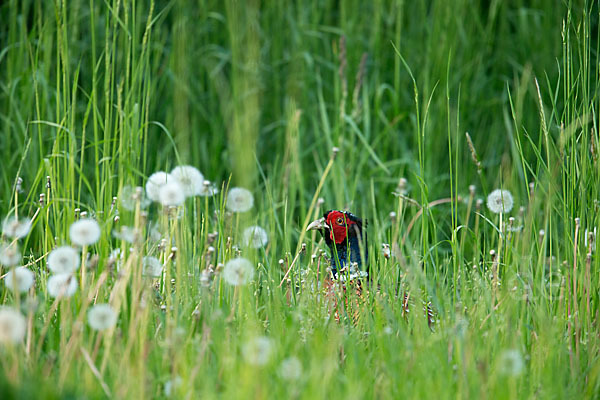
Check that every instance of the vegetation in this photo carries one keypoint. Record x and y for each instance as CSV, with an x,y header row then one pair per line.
x,y
313,105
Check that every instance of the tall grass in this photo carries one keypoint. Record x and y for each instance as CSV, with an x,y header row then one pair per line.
x,y
96,96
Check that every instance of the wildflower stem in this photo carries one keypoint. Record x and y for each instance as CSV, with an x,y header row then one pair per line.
x,y
83,267
234,302
398,219
467,219
95,371
289,269
496,262
16,201
309,213
30,313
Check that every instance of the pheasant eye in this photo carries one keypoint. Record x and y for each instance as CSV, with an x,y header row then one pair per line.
x,y
340,221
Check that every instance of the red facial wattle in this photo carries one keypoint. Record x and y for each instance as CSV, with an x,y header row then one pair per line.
x,y
338,222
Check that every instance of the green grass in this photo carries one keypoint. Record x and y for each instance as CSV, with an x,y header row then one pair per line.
x,y
99,95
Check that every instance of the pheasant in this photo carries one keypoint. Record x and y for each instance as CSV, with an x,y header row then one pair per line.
x,y
347,241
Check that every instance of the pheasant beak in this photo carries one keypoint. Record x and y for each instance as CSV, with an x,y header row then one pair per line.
x,y
316,224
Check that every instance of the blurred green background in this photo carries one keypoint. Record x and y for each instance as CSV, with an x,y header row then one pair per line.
x,y
232,85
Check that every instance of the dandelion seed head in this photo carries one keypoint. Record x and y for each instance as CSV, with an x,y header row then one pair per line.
x,y
62,285
589,237
12,326
239,200
255,237
385,250
290,369
19,279
190,178
18,185
258,351
9,254
102,317
131,195
238,271
63,260
511,363
128,234
85,232
153,233
500,201
402,187
388,330
16,228
171,194
515,228
205,277
172,385
152,266
155,182
461,327
208,189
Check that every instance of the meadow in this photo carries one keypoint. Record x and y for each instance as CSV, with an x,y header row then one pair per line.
x,y
465,133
